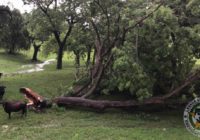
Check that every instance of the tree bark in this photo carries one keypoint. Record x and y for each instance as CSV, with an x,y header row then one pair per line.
x,y
94,55
104,104
36,50
59,57
88,56
12,49
77,59
77,64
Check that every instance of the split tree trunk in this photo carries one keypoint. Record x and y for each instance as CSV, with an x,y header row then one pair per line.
x,y
36,50
96,73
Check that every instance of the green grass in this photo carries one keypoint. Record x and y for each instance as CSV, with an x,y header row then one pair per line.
x,y
11,63
79,124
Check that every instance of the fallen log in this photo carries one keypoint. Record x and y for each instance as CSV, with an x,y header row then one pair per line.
x,y
104,104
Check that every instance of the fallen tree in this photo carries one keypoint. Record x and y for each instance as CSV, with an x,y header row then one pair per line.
x,y
103,104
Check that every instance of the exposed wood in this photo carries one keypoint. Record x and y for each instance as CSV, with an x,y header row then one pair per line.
x,y
35,100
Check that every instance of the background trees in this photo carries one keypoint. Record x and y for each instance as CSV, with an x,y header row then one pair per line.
x,y
38,30
141,48
59,14
14,35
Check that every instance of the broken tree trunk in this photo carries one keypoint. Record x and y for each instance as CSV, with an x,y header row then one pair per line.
x,y
35,100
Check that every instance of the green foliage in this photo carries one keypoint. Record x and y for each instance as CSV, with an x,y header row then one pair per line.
x,y
5,16
193,7
165,50
48,46
159,60
127,76
14,34
37,25
82,81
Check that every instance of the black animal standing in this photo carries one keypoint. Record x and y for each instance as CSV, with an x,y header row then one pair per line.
x,y
15,106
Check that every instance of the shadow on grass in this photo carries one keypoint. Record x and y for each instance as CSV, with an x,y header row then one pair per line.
x,y
20,58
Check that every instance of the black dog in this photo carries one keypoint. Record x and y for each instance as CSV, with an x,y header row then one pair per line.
x,y
14,106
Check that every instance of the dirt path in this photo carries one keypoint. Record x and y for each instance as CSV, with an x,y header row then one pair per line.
x,y
30,68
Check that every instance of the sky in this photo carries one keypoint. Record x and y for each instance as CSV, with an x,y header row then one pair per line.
x,y
18,4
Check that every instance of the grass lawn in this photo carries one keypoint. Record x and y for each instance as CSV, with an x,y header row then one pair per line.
x,y
78,124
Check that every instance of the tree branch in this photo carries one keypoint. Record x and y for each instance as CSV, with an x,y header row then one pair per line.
x,y
105,12
96,31
145,17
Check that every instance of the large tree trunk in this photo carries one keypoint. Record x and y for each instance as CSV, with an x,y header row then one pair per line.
x,y
61,45
96,74
104,104
60,56
102,60
12,49
36,50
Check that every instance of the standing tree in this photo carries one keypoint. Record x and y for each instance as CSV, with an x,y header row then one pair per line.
x,y
5,18
81,44
59,14
15,35
37,30
5,15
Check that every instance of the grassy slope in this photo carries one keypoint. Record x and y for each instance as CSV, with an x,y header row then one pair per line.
x,y
74,124
11,63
